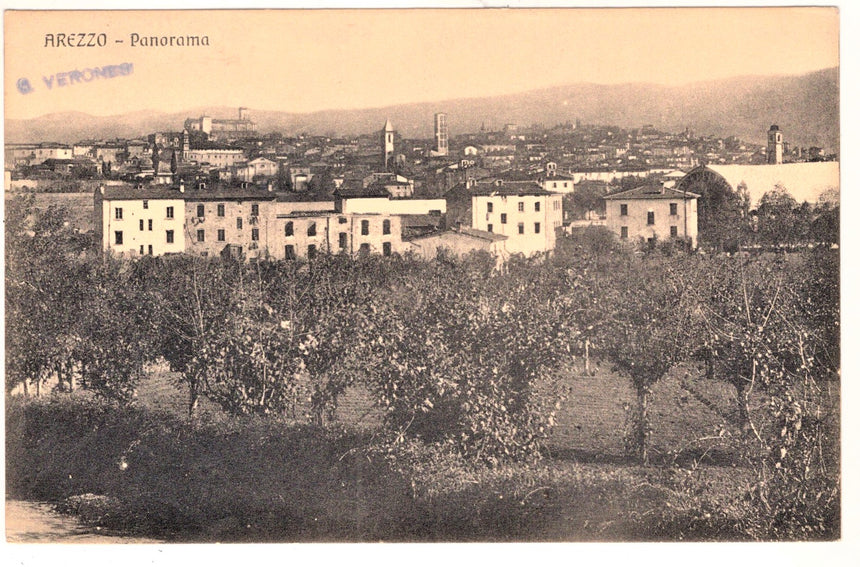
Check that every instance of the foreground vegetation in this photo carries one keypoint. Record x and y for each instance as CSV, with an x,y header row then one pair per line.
x,y
464,365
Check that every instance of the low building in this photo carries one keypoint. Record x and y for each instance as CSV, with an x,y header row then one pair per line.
x,y
460,242
652,213
35,154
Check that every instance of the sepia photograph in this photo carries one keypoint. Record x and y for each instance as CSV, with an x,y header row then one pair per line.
x,y
423,275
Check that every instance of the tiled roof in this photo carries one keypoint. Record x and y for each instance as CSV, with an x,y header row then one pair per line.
x,y
652,192
502,187
353,190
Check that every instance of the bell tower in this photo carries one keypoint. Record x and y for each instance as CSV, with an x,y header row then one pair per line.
x,y
387,144
775,144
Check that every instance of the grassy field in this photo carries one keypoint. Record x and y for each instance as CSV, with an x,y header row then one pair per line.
x,y
150,471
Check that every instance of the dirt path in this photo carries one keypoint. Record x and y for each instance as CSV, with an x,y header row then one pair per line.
x,y
36,522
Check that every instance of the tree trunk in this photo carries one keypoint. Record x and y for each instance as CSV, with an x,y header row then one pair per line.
x,y
587,369
742,391
193,397
38,388
640,425
24,386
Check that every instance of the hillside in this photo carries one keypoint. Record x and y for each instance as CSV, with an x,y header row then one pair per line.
x,y
805,106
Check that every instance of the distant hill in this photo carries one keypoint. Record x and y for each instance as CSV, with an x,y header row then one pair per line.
x,y
806,107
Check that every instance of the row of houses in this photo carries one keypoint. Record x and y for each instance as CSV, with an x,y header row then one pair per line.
x,y
257,222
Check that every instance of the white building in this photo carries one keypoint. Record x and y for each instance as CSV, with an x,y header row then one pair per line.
x,y
525,212
140,221
652,213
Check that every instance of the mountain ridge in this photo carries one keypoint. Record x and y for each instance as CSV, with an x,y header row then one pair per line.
x,y
805,106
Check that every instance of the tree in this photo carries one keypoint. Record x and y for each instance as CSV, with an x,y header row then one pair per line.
x,y
173,166
460,359
155,158
191,298
777,222
722,210
653,316
44,292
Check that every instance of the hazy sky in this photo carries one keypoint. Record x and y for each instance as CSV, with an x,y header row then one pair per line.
x,y
301,61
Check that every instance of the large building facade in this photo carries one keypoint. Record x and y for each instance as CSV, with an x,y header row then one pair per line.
x,y
251,222
653,213
524,212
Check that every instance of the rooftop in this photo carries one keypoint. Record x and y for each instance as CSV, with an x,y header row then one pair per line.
x,y
652,192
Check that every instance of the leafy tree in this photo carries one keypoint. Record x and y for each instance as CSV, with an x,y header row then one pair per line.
x,y
777,223
191,298
722,210
43,292
461,360
653,317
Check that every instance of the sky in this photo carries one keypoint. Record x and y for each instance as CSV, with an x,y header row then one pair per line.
x,y
311,60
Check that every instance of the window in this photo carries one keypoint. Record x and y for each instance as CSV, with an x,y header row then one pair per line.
x,y
220,209
289,252
624,232
312,229
141,249
255,234
201,235
554,185
149,224
386,249
117,237
537,228
364,249
288,228
149,250
239,223
255,210
145,204
624,210
201,210
117,213
221,236
521,228
169,235
650,217
489,228
341,240
673,231
312,251
170,212
141,224
365,227
386,226
341,220
504,218
521,207
673,209
489,207
537,207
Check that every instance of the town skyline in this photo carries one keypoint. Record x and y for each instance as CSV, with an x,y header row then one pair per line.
x,y
339,59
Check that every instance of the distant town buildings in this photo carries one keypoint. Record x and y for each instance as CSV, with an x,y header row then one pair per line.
x,y
224,129
500,191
